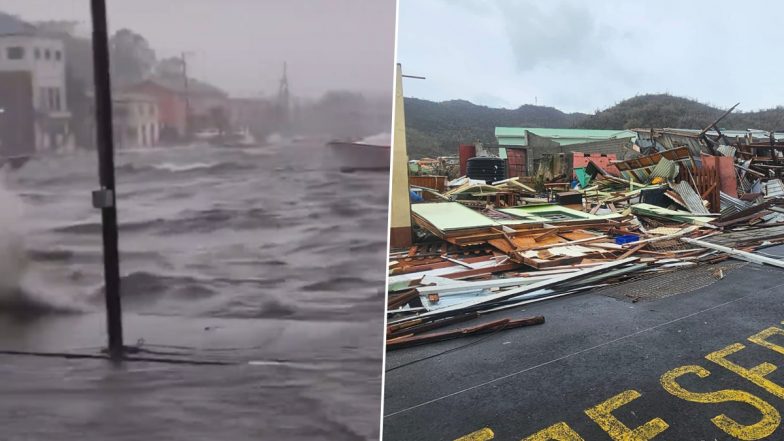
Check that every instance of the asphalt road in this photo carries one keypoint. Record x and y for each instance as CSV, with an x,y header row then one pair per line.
x,y
597,366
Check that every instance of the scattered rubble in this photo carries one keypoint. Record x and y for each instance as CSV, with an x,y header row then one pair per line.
x,y
687,198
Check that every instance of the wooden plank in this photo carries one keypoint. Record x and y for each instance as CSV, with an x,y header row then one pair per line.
x,y
550,263
546,234
494,326
483,271
632,250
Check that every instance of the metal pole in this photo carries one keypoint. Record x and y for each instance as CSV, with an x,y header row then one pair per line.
x,y
105,197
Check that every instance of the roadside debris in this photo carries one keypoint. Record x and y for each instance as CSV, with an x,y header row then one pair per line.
x,y
686,198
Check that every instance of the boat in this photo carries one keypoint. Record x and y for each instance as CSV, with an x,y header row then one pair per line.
x,y
361,155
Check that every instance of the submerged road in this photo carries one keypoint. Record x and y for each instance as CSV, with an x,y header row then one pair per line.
x,y
285,379
269,259
603,367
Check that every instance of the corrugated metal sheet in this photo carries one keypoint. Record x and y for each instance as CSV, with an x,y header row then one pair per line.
x,y
774,188
519,135
664,169
773,218
639,169
731,205
690,197
727,150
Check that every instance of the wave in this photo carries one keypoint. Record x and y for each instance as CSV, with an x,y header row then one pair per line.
x,y
93,228
172,167
24,302
192,221
13,260
338,283
379,139
22,291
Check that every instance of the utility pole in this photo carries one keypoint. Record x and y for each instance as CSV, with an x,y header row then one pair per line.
x,y
400,233
105,197
187,96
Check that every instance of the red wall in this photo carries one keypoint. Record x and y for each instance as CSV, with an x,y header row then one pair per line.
x,y
602,160
171,106
727,180
516,162
465,152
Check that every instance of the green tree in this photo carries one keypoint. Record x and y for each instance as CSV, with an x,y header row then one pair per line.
x,y
132,59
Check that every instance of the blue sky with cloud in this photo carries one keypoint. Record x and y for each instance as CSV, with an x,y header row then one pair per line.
x,y
588,55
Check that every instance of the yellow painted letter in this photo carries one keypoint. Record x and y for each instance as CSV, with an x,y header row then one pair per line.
x,y
761,429
760,339
756,374
602,415
557,432
480,435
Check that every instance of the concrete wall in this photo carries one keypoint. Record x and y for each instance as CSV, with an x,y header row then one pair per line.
x,y
17,131
44,58
171,107
136,121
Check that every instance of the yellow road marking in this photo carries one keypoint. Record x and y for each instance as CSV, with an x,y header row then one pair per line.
x,y
756,374
602,415
770,416
760,339
480,435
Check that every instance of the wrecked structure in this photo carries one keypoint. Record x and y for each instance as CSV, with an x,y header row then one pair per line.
x,y
666,200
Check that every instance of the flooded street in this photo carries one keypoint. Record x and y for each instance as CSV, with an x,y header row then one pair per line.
x,y
268,258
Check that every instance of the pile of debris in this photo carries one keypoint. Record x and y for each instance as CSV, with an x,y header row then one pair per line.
x,y
486,247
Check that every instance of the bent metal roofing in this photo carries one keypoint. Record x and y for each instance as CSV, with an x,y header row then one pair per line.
x,y
518,135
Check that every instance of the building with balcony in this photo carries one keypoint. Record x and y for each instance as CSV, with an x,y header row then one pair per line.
x,y
38,65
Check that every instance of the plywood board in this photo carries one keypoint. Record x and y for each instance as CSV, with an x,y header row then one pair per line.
x,y
448,216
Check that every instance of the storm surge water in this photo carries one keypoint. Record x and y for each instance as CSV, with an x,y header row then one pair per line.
x,y
270,232
21,292
12,252
268,258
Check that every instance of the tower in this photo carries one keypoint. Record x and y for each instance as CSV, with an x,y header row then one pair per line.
x,y
284,99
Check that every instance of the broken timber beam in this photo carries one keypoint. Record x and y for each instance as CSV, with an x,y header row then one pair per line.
x,y
494,326
743,255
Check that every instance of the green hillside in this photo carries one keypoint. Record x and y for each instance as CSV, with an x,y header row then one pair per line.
x,y
434,129
676,112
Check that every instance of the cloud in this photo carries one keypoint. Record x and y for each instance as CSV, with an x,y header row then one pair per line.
x,y
561,32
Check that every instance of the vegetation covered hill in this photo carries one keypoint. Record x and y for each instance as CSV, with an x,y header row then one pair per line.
x,y
434,129
675,112
438,128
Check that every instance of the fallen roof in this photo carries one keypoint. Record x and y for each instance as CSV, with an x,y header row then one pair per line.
x,y
518,135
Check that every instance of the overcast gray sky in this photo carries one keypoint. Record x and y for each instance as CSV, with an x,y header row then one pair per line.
x,y
240,45
588,55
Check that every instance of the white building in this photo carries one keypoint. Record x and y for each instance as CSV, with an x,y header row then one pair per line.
x,y
23,50
135,120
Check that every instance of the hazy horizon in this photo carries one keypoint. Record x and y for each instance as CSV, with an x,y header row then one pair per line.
x,y
241,48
